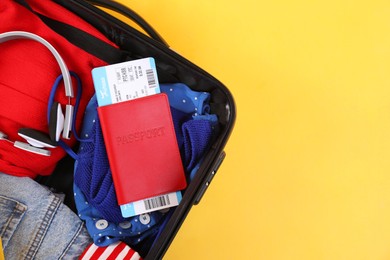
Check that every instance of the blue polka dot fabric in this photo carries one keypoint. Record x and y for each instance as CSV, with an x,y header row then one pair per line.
x,y
182,98
134,230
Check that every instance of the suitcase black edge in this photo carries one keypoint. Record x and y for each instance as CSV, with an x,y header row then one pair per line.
x,y
170,62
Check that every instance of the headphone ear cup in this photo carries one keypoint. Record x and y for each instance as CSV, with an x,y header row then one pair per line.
x,y
56,122
36,138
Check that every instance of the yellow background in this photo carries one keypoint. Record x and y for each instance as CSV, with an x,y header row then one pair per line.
x,y
1,251
307,172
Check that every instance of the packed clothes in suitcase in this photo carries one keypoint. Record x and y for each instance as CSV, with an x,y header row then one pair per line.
x,y
107,136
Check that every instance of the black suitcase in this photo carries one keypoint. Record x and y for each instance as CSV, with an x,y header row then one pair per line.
x,y
170,67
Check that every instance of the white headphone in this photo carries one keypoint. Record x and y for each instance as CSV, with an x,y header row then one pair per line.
x,y
58,122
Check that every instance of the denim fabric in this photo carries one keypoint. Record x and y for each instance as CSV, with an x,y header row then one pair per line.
x,y
35,224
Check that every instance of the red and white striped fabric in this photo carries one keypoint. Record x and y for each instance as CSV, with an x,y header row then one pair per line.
x,y
117,251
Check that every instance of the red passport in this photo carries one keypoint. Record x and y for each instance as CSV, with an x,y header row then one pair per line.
x,y
142,148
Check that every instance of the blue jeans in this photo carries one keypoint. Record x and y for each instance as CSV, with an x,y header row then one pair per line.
x,y
35,224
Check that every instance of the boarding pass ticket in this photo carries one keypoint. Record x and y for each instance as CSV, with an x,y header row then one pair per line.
x,y
126,81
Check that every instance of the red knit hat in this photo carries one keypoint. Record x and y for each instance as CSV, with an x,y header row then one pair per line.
x,y
27,73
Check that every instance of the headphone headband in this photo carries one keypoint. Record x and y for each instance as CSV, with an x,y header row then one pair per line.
x,y
15,35
59,122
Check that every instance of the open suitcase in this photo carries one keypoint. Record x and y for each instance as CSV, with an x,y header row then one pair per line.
x,y
172,68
